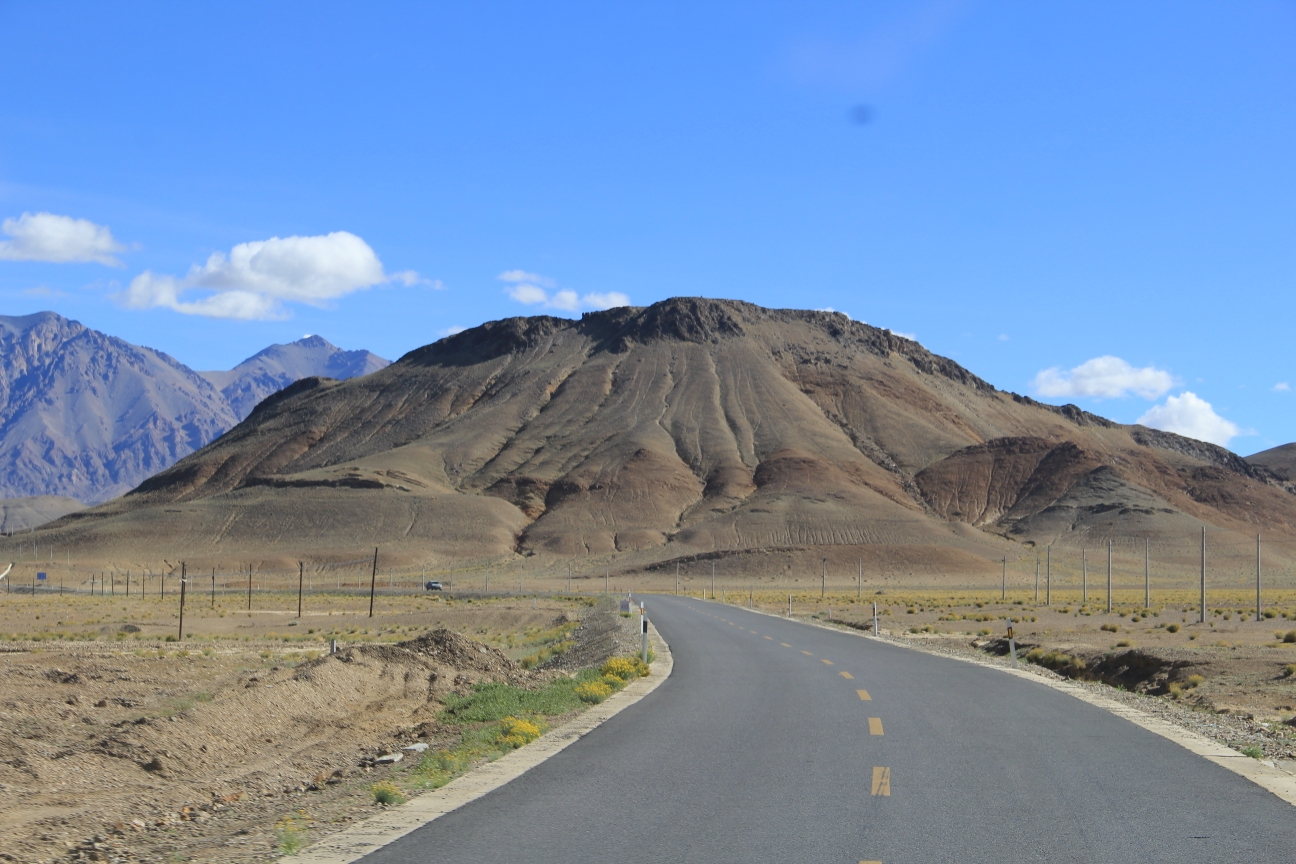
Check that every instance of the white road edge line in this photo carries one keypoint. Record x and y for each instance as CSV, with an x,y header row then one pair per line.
x,y
1274,780
363,838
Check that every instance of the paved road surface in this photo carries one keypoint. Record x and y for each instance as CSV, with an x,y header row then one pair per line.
x,y
762,747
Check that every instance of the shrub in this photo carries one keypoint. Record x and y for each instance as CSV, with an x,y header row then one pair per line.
x,y
387,792
1124,643
1268,613
1110,628
1253,751
1194,680
594,692
515,732
289,835
1172,628
1289,670
625,668
1289,637
1055,660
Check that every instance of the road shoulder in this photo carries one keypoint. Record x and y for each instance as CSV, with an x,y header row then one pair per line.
x,y
377,831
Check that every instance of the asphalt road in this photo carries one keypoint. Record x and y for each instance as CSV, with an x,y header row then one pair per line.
x,y
761,748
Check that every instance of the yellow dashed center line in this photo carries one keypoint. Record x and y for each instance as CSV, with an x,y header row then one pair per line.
x,y
771,638
785,645
875,725
882,781
863,694
821,660
846,675
807,653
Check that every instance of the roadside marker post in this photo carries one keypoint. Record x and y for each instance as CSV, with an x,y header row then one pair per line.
x,y
643,626
1012,646
875,630
789,606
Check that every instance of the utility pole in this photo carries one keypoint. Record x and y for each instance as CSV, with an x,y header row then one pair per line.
x,y
1147,577
607,575
859,583
568,577
1257,577
1048,575
1036,578
823,585
183,582
373,582
1202,618
249,589
1084,575
213,597
1003,586
301,572
1108,576
712,580
676,578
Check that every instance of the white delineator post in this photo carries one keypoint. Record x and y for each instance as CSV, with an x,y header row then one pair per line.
x,y
643,626
875,630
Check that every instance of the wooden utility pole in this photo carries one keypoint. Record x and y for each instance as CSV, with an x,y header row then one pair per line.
x,y
301,572
1257,577
1048,575
373,582
1003,585
183,582
249,589
1109,576
1202,617
1084,576
1147,577
823,585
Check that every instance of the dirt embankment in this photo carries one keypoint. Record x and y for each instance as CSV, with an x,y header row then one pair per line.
x,y
134,757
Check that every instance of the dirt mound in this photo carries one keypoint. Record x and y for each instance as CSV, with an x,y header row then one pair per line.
x,y
451,649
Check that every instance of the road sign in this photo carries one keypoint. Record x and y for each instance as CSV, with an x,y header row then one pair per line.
x,y
40,577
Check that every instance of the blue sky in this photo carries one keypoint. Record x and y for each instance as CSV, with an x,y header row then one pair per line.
x,y
1028,188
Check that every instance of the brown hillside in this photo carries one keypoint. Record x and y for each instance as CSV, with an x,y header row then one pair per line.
x,y
685,428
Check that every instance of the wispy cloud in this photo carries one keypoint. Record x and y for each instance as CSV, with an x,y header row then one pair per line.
x,y
1190,415
1104,378
255,279
44,291
451,330
529,289
58,239
1282,387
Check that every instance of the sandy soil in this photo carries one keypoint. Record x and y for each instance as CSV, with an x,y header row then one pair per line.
x,y
116,745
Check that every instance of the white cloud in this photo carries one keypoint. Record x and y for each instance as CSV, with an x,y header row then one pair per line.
x,y
1282,387
255,279
528,294
910,336
44,291
452,330
1104,378
524,276
1003,337
58,239
609,300
839,312
1190,415
527,290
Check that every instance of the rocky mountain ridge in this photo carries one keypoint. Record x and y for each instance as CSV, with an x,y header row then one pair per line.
x,y
88,416
690,427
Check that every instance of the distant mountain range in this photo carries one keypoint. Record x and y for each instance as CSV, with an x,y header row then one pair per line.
x,y
88,416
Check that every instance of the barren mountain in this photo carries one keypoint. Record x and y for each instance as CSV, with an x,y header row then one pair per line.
x,y
89,416
1280,460
276,367
22,514
686,428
